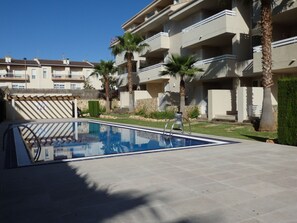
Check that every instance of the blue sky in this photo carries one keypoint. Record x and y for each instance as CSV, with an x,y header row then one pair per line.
x,y
53,29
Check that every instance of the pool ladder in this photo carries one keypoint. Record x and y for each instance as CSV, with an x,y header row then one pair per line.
x,y
178,124
36,139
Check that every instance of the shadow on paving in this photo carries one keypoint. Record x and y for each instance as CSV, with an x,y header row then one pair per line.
x,y
256,138
57,193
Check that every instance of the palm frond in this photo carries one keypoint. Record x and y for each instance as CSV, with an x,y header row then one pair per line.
x,y
181,65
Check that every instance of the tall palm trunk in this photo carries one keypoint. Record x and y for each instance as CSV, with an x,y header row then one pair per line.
x,y
182,92
267,122
107,95
130,83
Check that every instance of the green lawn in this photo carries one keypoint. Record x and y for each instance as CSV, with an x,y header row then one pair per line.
x,y
233,130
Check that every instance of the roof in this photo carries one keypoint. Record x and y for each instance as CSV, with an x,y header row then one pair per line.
x,y
19,62
46,62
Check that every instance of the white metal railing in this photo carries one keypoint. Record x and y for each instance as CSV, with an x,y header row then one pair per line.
x,y
209,19
214,59
158,35
68,76
278,43
151,67
13,75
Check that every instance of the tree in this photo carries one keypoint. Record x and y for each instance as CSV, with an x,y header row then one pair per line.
x,y
267,122
105,69
130,44
182,66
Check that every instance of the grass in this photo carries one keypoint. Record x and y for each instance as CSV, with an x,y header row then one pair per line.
x,y
232,130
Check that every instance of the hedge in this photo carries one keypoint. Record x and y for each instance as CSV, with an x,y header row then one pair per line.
x,y
94,108
287,111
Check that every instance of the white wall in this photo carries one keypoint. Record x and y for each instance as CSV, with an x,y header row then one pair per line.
x,y
250,102
219,102
124,97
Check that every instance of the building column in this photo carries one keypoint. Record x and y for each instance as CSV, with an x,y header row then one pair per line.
x,y
75,108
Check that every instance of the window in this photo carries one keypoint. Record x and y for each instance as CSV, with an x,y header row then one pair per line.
x,y
59,86
33,74
75,86
18,86
44,73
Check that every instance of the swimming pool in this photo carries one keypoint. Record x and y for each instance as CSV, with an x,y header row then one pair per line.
x,y
39,143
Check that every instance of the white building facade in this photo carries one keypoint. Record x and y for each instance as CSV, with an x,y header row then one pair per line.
x,y
47,74
224,36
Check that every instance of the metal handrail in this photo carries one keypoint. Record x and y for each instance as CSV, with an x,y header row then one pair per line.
x,y
37,155
213,59
155,37
10,127
151,67
278,43
209,19
174,122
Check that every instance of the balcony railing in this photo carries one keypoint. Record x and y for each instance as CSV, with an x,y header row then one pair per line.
x,y
209,19
276,44
12,76
152,74
215,59
151,67
156,36
68,77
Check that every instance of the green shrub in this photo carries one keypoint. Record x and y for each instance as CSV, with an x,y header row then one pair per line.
x,y
95,109
167,114
142,112
194,112
287,110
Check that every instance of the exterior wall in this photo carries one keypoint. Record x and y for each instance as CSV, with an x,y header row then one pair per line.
x,y
155,88
45,77
283,57
219,103
150,105
138,95
223,45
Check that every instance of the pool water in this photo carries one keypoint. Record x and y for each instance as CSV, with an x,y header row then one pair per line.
x,y
81,140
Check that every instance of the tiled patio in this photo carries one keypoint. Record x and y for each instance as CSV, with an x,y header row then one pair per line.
x,y
248,182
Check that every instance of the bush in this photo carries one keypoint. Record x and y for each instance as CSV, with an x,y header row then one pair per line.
x,y
95,109
194,112
167,114
142,112
287,110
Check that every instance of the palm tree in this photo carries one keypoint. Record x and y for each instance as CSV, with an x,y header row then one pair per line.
x,y
267,122
130,44
105,69
184,67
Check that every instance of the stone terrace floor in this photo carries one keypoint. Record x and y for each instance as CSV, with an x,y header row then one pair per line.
x,y
248,182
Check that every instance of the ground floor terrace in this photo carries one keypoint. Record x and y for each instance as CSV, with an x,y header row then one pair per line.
x,y
246,182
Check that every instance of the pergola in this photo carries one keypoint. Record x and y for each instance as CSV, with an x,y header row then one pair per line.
x,y
43,107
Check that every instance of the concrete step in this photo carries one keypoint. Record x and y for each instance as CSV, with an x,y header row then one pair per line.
x,y
225,117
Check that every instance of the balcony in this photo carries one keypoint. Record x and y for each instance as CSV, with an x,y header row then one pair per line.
x,y
68,77
157,43
281,6
122,80
222,23
283,56
217,67
152,74
14,77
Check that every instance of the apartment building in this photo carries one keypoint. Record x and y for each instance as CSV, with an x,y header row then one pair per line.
x,y
46,74
224,35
